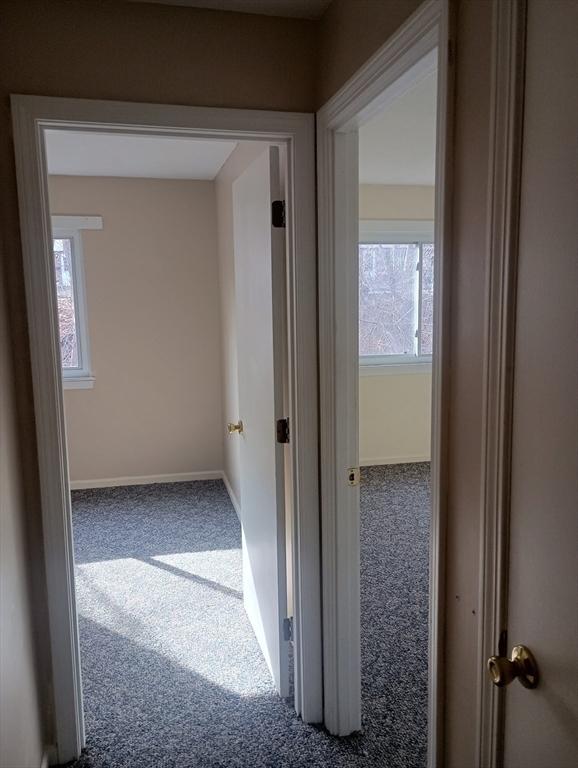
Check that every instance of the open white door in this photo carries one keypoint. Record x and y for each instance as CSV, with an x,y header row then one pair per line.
x,y
260,301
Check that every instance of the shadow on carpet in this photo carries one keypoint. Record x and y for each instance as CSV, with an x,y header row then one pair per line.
x,y
172,673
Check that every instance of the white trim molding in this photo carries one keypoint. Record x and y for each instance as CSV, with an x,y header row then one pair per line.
x,y
76,222
117,482
381,366
506,123
234,500
78,382
420,46
32,117
48,756
386,460
396,231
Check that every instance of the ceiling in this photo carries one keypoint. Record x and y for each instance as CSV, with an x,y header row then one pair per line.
x,y
397,146
75,153
299,9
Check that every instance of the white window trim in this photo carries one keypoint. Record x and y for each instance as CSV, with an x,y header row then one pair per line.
x,y
393,232
394,365
70,227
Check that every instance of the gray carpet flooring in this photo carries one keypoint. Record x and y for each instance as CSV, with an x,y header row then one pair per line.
x,y
172,674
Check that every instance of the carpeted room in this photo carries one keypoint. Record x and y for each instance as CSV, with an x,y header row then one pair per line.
x,y
168,655
397,176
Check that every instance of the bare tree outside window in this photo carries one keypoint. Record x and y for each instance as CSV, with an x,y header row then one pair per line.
x,y
390,304
427,285
67,324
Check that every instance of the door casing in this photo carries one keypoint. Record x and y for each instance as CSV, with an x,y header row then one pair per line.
x,y
504,175
412,47
294,133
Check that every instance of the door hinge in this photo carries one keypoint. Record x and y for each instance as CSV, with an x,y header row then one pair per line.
x,y
282,430
278,213
288,629
353,475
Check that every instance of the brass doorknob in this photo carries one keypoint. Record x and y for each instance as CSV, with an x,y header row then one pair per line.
x,y
232,428
521,665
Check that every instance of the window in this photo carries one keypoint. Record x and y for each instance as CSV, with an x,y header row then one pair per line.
x,y
71,298
396,277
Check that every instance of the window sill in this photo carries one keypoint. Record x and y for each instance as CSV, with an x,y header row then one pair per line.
x,y
77,382
394,369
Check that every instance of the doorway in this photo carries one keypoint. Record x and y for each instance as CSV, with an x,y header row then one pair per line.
x,y
164,579
396,286
34,120
417,52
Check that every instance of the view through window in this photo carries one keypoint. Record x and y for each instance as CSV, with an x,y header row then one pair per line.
x,y
396,299
67,321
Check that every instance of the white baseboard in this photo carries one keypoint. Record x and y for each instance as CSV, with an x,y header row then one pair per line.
x,y
113,482
234,500
49,756
393,460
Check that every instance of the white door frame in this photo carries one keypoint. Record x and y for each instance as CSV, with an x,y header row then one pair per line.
x,y
32,115
504,186
338,120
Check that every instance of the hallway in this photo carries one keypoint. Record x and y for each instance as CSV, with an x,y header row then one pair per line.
x,y
172,673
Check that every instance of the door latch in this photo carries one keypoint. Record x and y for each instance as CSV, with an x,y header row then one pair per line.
x,y
353,476
282,430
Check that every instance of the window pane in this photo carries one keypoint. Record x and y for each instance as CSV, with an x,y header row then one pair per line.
x,y
387,299
427,283
66,310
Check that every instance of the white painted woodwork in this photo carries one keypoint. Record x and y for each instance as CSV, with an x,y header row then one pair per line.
x,y
528,570
260,307
415,50
541,725
500,289
32,116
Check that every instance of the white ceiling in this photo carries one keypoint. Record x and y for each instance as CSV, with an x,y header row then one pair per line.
x,y
300,9
398,145
74,153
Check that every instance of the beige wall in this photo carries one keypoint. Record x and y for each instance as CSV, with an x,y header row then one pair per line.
x,y
349,33
131,52
395,201
201,57
21,700
241,158
157,53
394,418
154,329
395,409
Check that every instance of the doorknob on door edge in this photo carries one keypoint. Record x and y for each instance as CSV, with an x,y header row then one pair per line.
x,y
232,428
521,665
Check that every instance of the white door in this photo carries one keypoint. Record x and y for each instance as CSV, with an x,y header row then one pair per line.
x,y
260,307
541,725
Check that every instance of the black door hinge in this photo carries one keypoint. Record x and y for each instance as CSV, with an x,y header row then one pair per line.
x,y
282,430
278,213
288,629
